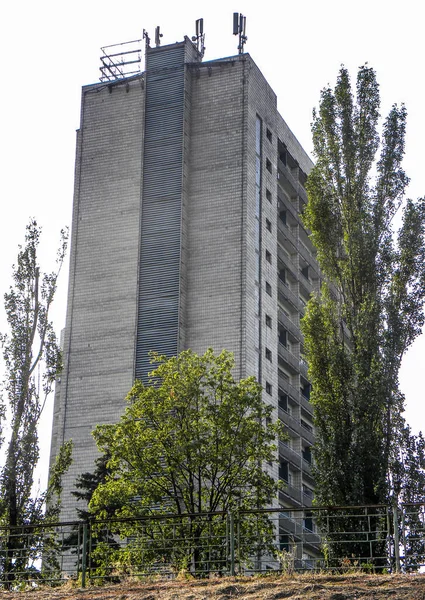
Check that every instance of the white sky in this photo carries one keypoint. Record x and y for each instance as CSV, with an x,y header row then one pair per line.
x,y
50,49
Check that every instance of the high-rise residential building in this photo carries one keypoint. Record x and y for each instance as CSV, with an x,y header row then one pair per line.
x,y
186,233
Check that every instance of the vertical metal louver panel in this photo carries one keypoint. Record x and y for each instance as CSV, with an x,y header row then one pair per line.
x,y
158,309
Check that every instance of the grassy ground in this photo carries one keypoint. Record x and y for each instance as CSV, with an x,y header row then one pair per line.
x,y
299,587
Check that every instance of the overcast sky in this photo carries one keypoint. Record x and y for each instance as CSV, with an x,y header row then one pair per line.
x,y
50,49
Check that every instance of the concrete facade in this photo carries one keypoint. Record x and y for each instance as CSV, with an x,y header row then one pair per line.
x,y
245,264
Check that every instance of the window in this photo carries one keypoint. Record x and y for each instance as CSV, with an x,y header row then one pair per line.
x,y
268,257
284,542
283,401
268,388
282,275
308,521
269,135
308,491
307,454
268,195
282,216
268,321
284,471
283,337
268,165
305,390
269,354
306,426
304,271
268,225
268,288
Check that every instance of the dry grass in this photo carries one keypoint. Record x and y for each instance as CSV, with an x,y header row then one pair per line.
x,y
298,587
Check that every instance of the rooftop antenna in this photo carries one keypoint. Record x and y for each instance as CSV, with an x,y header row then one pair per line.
x,y
199,38
158,37
147,39
239,28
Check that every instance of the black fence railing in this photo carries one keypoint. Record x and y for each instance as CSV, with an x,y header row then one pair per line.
x,y
371,538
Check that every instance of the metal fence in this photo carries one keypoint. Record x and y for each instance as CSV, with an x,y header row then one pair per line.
x,y
370,538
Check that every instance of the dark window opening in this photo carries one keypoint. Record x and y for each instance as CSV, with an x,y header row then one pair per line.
x,y
283,401
269,388
284,471
283,337
268,288
306,390
268,321
308,521
268,165
268,195
269,354
269,135
304,271
284,543
306,426
268,225
307,454
268,257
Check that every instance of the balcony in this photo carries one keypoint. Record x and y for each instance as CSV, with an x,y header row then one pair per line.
x,y
288,263
306,284
290,455
305,405
307,499
290,359
287,233
291,493
283,289
309,258
289,325
303,367
286,179
289,207
288,388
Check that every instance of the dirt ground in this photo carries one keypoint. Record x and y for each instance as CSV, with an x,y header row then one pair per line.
x,y
302,587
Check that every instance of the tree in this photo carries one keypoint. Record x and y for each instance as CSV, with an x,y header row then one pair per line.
x,y
32,361
370,309
193,441
86,484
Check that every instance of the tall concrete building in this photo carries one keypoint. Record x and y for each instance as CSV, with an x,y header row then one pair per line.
x,y
186,234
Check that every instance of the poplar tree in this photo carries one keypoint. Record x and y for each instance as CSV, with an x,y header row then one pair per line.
x,y
370,307
32,361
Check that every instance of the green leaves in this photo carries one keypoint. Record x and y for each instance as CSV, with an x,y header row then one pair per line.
x,y
32,360
371,310
191,441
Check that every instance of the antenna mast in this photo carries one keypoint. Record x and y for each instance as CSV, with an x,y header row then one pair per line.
x,y
199,38
239,28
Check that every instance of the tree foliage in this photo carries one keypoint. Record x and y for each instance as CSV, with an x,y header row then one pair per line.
x,y
32,361
193,441
371,308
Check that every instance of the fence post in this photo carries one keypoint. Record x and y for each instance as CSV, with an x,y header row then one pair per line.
x,y
232,544
84,557
396,539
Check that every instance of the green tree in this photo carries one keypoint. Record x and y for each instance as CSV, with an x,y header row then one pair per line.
x,y
85,485
371,308
32,361
193,441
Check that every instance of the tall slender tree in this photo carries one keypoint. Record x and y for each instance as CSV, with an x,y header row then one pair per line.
x,y
32,360
370,308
